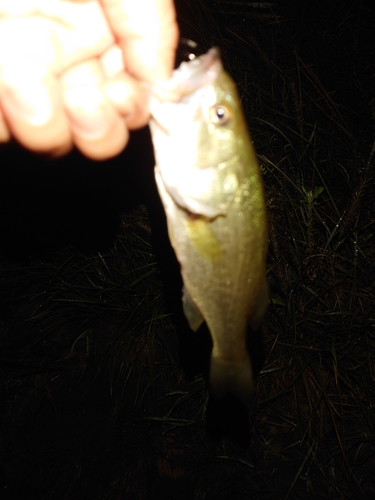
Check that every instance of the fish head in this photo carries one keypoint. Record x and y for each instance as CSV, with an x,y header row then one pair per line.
x,y
197,127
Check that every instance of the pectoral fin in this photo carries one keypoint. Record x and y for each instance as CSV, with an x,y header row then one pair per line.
x,y
192,313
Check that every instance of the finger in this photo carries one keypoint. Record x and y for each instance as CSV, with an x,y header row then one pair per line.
x,y
31,104
98,129
4,130
76,29
30,97
130,100
125,92
147,32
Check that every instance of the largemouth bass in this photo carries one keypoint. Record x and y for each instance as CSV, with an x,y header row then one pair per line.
x,y
210,185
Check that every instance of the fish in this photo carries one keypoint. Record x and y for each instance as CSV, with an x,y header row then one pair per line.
x,y
211,188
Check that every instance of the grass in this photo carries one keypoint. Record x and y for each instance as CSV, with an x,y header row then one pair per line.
x,y
101,383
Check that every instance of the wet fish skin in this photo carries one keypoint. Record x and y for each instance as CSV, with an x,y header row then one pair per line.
x,y
210,184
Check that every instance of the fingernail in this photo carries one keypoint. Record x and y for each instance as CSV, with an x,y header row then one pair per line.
x,y
87,111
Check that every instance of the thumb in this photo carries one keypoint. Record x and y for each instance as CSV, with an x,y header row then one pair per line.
x,y
147,33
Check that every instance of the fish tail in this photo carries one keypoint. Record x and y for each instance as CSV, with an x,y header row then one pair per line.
x,y
233,378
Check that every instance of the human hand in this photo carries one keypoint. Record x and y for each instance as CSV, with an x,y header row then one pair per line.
x,y
71,71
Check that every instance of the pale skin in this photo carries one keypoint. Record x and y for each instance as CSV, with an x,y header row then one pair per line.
x,y
77,72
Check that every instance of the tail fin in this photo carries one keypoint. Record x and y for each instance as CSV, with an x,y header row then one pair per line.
x,y
235,378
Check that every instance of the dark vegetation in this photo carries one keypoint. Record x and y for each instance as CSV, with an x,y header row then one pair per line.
x,y
102,386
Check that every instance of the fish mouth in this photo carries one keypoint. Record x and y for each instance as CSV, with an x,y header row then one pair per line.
x,y
190,76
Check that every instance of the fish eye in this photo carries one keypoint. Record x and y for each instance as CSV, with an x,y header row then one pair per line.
x,y
220,114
